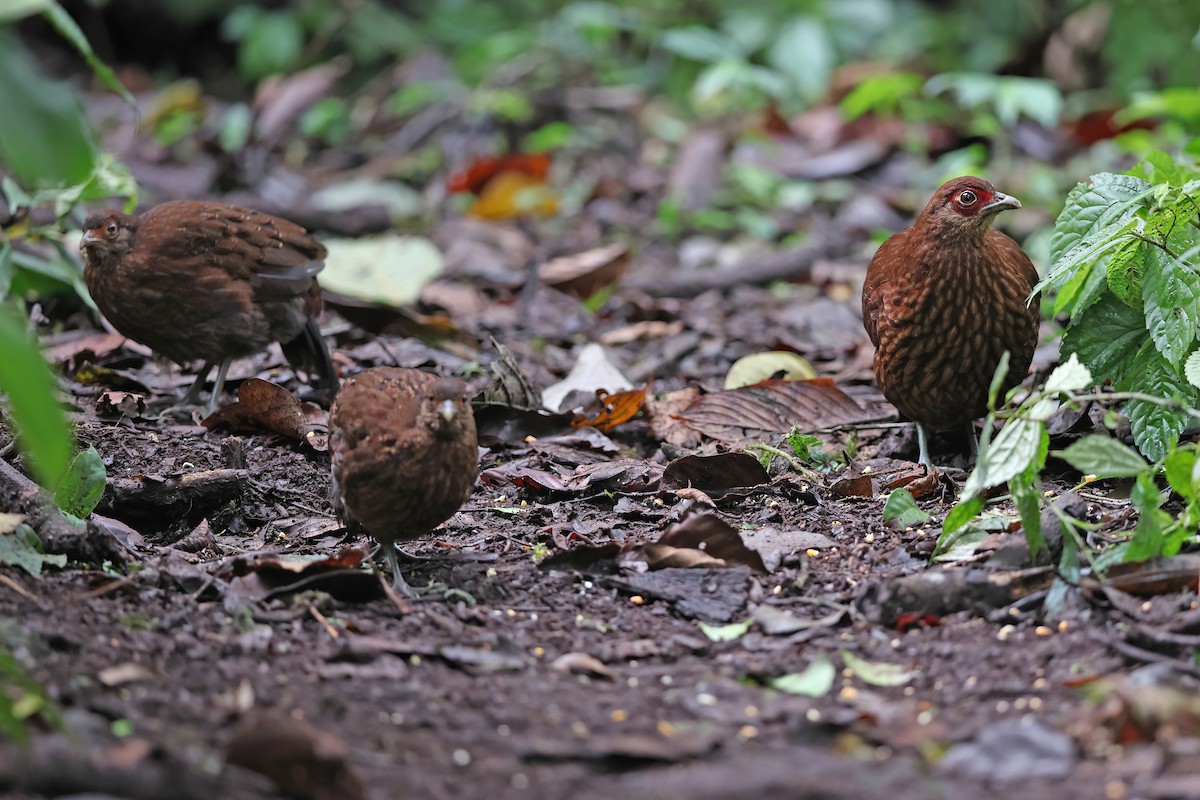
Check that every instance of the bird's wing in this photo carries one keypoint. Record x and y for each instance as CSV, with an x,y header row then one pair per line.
x,y
278,257
875,286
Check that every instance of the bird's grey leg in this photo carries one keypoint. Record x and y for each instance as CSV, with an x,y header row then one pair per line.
x,y
923,448
218,385
973,442
192,398
392,556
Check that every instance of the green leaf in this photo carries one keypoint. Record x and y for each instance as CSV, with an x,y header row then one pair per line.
x,y
698,43
66,27
1070,376
1179,466
1156,428
804,53
878,673
1103,457
961,514
43,434
22,548
272,44
998,376
1005,457
1148,539
1191,368
1106,338
1028,503
815,681
725,633
82,485
1172,305
45,140
902,509
390,268
6,269
13,10
1124,271
1089,209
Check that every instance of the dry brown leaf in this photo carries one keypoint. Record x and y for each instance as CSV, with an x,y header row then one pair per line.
x,y
752,412
715,475
262,404
700,540
665,422
584,274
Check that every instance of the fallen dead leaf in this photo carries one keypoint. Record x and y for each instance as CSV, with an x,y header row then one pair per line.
x,y
616,408
699,540
715,475
262,404
584,274
753,412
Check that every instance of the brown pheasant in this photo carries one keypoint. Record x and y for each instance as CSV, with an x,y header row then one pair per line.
x,y
942,301
198,281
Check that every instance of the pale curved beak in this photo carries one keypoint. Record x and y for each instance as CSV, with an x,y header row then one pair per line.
x,y
88,238
446,410
1000,202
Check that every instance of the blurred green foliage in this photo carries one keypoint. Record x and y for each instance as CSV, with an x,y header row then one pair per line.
x,y
712,56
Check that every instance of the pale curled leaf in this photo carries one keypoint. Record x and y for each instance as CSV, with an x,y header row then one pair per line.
x,y
725,633
757,367
815,681
878,673
1070,376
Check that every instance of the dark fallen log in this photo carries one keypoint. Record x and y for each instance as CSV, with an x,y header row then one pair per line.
x,y
94,544
159,501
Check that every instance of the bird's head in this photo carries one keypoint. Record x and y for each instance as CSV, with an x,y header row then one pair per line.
x,y
446,408
965,207
107,236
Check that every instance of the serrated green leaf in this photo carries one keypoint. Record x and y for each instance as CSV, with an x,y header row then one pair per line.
x,y
1103,457
1070,376
1124,272
878,673
902,509
725,633
1191,368
1172,304
815,681
1088,209
1006,456
1106,338
1156,428
82,485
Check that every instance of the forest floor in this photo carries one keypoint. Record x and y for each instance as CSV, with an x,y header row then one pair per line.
x,y
547,654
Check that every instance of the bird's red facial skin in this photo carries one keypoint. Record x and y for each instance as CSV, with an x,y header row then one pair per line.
x,y
968,202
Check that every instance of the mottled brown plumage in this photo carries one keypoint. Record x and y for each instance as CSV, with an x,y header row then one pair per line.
x,y
942,301
207,281
404,454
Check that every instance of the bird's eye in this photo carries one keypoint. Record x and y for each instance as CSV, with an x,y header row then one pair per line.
x,y
112,228
967,198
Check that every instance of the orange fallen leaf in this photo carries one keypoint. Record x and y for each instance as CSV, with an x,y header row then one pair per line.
x,y
616,408
482,170
513,194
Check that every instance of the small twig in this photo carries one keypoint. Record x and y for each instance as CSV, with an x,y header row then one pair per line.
x,y
321,618
16,587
